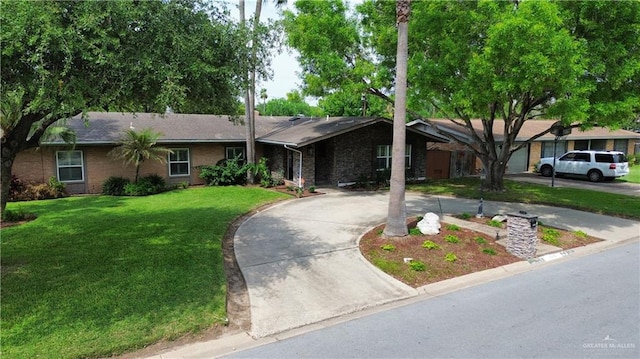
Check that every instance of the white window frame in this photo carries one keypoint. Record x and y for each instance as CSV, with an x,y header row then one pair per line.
x,y
176,161
387,153
70,165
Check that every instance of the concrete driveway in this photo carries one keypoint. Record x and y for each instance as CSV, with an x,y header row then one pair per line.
x,y
302,265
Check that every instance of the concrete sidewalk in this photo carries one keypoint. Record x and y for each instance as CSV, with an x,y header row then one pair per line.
x,y
302,263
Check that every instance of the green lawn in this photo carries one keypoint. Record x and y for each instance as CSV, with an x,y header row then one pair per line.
x,y
633,176
98,275
585,200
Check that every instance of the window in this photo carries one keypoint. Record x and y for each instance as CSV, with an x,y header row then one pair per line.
x,y
621,145
179,162
598,145
581,145
383,157
235,152
70,166
547,149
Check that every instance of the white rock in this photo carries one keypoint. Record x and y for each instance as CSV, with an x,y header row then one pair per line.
x,y
430,224
499,218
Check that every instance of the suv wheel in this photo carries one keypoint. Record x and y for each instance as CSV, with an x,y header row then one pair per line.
x,y
546,171
594,176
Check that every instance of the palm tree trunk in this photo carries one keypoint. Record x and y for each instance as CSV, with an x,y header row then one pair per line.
x,y
397,216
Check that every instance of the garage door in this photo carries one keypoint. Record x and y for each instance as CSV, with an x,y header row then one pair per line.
x,y
519,161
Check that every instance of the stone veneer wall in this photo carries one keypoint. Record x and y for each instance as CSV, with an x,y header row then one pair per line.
x,y
522,237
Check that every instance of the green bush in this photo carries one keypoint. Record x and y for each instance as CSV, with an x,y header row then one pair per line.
x,y
480,240
494,223
145,186
225,173
450,257
114,186
16,216
417,266
489,251
551,236
580,234
430,245
451,238
388,247
57,187
453,227
465,215
415,231
262,173
18,191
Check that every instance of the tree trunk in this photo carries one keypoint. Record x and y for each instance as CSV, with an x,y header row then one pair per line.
x,y
10,149
8,156
397,216
494,171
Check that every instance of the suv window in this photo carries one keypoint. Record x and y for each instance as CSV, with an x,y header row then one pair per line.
x,y
610,157
583,157
604,157
568,157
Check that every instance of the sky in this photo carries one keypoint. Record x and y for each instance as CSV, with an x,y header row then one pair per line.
x,y
285,66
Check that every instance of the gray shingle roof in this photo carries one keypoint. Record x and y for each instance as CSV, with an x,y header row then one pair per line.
x,y
533,127
107,127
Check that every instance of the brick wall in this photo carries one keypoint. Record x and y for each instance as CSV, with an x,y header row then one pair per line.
x,y
38,165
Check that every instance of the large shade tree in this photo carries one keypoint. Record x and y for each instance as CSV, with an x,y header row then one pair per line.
x,y
577,62
62,58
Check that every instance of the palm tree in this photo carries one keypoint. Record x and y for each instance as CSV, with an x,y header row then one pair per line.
x,y
263,96
136,147
396,225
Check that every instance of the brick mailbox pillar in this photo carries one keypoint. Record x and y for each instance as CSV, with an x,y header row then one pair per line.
x,y
522,234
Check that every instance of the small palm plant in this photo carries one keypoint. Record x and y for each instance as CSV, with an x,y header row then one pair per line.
x,y
136,147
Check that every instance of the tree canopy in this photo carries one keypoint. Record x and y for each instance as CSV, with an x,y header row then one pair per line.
x,y
577,62
61,58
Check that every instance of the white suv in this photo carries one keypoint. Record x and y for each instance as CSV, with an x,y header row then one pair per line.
x,y
596,165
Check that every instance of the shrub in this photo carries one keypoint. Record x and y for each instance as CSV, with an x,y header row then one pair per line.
x,y
16,216
388,247
489,251
312,189
145,186
430,245
417,266
36,191
451,238
480,240
465,215
580,234
114,186
450,257
16,187
415,231
261,172
453,227
494,223
225,173
551,236
58,188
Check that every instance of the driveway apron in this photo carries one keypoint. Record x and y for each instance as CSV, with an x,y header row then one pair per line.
x,y
302,264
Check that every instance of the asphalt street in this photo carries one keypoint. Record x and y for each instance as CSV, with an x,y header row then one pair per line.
x,y
586,307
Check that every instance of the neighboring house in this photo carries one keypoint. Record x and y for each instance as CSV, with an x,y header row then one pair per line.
x,y
322,151
462,161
